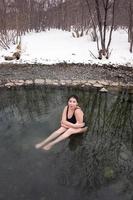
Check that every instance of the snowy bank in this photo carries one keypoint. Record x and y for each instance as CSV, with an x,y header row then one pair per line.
x,y
57,46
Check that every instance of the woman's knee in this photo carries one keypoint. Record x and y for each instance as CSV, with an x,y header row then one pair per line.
x,y
68,133
60,130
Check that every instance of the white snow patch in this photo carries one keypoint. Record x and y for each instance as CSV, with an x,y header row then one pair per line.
x,y
57,46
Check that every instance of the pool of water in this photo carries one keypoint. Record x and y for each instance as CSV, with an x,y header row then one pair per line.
x,y
97,165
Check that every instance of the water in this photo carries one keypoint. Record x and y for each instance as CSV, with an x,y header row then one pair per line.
x,y
97,165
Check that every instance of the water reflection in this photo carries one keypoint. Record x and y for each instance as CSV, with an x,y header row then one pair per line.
x,y
96,165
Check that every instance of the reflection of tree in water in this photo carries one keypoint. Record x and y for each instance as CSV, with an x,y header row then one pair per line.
x,y
29,103
105,153
102,156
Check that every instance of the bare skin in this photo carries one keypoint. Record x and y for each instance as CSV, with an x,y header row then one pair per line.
x,y
65,135
67,128
54,135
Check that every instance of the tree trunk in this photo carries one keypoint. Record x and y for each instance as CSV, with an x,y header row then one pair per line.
x,y
130,29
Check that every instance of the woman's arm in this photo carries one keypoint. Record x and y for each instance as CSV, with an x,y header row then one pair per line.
x,y
71,125
79,115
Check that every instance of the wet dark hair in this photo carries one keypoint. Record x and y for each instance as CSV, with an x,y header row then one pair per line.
x,y
73,96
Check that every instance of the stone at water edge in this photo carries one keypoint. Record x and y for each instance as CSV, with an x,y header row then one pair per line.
x,y
103,90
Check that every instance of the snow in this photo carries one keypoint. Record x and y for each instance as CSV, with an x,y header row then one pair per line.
x,y
57,46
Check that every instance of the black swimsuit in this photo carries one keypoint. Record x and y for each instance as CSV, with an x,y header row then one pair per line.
x,y
72,119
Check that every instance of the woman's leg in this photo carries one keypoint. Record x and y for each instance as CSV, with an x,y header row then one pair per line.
x,y
65,135
54,135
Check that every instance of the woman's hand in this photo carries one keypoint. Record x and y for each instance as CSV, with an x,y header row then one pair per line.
x,y
79,125
63,125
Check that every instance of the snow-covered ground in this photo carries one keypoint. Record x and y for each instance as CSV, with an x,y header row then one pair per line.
x,y
57,46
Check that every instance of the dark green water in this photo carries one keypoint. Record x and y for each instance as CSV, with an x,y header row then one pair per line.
x,y
97,165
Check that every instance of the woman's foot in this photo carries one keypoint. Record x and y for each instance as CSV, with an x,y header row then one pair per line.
x,y
85,128
47,147
39,145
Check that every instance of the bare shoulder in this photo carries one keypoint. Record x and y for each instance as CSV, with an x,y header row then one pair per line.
x,y
78,111
64,113
65,109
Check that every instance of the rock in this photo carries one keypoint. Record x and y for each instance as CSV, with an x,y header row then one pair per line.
x,y
9,84
28,82
104,83
52,82
39,81
75,82
68,82
62,82
19,82
92,82
108,172
115,84
103,90
88,84
16,55
98,85
83,82
55,82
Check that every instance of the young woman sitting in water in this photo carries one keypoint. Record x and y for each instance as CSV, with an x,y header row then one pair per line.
x,y
71,123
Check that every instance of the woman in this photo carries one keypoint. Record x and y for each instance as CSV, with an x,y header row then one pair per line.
x,y
71,123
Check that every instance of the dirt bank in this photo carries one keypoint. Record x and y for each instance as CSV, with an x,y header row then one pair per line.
x,y
67,72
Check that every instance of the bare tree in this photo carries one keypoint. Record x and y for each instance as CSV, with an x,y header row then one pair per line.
x,y
28,15
130,28
3,10
105,15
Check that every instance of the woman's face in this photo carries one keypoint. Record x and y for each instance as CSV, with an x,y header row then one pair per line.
x,y
72,103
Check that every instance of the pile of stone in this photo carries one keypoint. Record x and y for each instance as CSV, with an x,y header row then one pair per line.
x,y
102,85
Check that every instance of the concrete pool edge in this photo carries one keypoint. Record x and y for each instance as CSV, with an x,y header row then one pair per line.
x,y
102,85
105,77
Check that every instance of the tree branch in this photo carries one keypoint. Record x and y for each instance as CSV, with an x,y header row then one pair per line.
x,y
99,19
93,23
112,25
